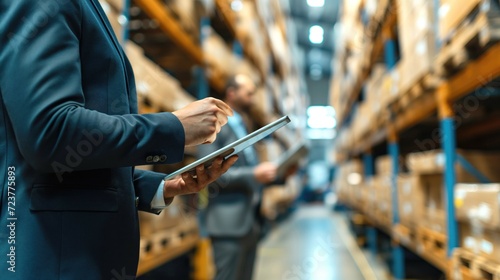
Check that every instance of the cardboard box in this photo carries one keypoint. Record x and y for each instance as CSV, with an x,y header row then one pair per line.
x,y
383,165
418,60
410,200
421,201
433,162
162,91
478,204
483,242
417,40
348,176
368,196
452,13
415,20
383,200
434,214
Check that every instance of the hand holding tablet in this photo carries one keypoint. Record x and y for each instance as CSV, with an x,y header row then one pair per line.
x,y
233,148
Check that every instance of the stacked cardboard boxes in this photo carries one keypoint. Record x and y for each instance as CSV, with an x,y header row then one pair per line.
x,y
452,13
429,168
383,200
382,190
410,200
348,180
417,39
155,87
253,34
350,48
478,212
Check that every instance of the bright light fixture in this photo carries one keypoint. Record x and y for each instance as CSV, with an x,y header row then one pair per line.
x,y
316,34
321,117
354,179
327,122
237,5
316,3
320,111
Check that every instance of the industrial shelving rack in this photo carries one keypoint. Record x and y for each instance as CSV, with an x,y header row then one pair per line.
x,y
477,74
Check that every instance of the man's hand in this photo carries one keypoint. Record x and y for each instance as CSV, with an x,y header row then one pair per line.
x,y
203,119
189,183
265,172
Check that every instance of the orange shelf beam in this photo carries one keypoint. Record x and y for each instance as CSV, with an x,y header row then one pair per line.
x,y
171,27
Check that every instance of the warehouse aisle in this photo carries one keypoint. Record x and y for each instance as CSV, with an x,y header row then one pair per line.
x,y
314,244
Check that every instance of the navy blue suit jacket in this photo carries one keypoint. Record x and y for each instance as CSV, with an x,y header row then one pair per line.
x,y
69,135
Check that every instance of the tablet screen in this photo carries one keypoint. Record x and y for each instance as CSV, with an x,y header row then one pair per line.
x,y
235,147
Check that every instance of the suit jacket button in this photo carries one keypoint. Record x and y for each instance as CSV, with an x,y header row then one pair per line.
x,y
156,159
136,201
163,158
149,159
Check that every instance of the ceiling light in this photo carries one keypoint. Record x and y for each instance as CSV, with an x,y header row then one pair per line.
x,y
321,117
316,33
316,3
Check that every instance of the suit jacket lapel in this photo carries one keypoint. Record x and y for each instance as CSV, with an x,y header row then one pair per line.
x,y
111,34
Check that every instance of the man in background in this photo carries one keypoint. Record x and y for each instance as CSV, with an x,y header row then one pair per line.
x,y
231,216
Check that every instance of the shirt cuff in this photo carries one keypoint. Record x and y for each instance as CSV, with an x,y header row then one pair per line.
x,y
158,202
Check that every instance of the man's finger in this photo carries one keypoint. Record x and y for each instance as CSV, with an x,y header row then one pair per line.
x,y
223,106
218,127
221,118
188,178
226,164
202,175
211,139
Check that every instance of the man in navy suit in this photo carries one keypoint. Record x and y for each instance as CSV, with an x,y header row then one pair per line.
x,y
232,215
69,138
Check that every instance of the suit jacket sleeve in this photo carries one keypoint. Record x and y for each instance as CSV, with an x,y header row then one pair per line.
x,y
40,77
146,184
240,176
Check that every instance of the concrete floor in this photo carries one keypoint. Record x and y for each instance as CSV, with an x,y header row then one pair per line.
x,y
315,244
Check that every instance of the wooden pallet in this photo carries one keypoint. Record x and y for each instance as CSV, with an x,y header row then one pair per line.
x,y
374,24
162,241
486,269
431,242
472,38
466,265
404,235
461,265
424,84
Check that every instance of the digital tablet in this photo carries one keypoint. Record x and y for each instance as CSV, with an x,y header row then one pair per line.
x,y
291,157
235,147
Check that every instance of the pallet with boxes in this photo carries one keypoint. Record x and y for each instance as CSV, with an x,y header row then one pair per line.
x,y
421,205
477,212
168,235
222,62
466,265
157,91
348,179
443,51
421,202
466,29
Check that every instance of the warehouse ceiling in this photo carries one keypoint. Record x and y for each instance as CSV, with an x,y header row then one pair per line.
x,y
316,57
